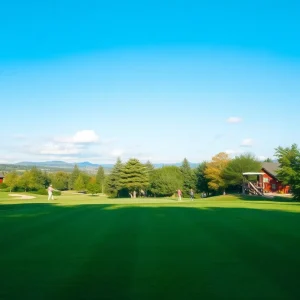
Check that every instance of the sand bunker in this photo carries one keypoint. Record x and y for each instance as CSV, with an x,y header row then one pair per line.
x,y
21,196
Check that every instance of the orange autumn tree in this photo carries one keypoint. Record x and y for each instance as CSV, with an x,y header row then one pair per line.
x,y
214,171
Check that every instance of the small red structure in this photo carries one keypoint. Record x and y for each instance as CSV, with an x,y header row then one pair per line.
x,y
1,177
251,186
271,182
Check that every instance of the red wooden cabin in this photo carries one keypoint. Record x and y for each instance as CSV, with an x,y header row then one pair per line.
x,y
1,177
271,182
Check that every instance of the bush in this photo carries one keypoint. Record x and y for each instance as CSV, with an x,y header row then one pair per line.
x,y
40,192
3,186
56,193
45,192
5,190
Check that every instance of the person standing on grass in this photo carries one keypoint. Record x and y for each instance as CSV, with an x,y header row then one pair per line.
x,y
179,194
50,192
192,194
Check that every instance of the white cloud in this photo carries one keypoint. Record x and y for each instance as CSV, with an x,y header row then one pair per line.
x,y
85,136
81,137
230,151
60,149
234,120
247,143
234,152
261,157
117,152
19,136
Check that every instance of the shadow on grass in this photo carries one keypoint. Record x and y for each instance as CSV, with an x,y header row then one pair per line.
x,y
266,198
141,252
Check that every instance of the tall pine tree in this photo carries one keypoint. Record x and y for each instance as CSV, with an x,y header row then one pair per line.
x,y
79,184
112,182
134,176
189,178
100,178
201,180
74,175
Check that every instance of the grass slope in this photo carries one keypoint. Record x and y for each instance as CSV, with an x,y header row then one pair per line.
x,y
81,247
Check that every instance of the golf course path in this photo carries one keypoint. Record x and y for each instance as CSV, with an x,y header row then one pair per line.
x,y
21,196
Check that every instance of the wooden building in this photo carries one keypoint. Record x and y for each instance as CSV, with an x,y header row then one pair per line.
x,y
271,182
1,177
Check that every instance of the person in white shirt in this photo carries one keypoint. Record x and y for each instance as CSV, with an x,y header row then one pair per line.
x,y
50,192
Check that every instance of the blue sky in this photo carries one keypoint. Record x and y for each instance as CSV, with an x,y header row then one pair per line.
x,y
156,80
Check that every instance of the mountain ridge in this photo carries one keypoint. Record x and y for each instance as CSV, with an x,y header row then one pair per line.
x,y
86,164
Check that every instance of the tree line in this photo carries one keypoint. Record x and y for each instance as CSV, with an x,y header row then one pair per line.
x,y
212,177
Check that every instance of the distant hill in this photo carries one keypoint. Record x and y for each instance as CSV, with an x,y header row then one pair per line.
x,y
45,163
84,165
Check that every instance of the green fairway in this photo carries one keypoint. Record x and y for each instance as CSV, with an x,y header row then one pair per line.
x,y
85,247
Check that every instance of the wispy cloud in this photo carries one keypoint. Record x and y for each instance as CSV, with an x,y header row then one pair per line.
x,y
234,120
261,157
19,136
73,145
81,137
247,143
117,152
219,136
60,149
231,151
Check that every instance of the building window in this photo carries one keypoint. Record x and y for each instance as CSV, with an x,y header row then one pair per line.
x,y
273,186
266,179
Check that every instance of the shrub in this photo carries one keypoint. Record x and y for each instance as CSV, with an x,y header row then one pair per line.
x,y
40,192
45,192
3,186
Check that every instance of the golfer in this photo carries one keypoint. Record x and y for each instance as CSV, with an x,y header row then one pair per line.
x,y
50,192
192,194
179,194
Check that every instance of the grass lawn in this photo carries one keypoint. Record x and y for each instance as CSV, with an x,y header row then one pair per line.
x,y
84,247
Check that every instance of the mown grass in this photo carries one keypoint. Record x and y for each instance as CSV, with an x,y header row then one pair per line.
x,y
83,247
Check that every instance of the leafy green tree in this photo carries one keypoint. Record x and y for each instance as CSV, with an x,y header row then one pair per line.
x,y
149,167
79,184
93,187
100,178
24,181
86,178
47,179
214,171
74,175
233,173
189,178
289,168
60,180
201,180
37,179
11,180
134,176
165,181
112,181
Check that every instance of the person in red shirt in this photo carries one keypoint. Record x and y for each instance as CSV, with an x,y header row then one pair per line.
x,y
179,193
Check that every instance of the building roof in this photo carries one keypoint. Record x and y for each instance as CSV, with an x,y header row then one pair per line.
x,y
271,168
253,173
1,175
